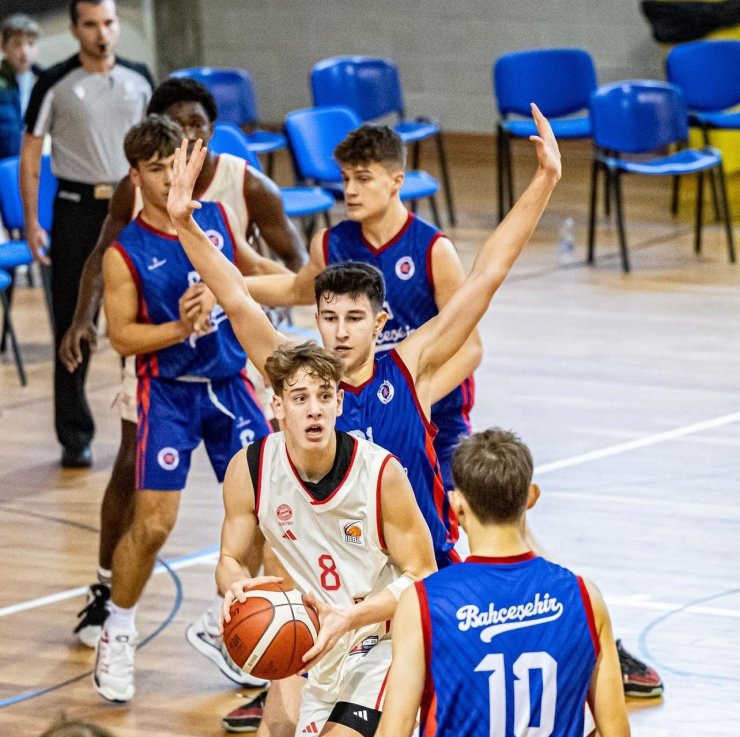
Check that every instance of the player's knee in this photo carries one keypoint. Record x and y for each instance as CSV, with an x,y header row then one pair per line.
x,y
151,533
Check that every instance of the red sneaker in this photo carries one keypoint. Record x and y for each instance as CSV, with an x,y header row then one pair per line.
x,y
640,681
247,717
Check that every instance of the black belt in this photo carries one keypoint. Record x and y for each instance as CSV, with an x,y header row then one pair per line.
x,y
94,191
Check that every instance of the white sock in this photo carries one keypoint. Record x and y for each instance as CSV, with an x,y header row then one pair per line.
x,y
104,576
120,618
213,612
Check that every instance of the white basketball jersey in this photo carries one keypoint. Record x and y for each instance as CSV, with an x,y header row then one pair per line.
x,y
226,186
332,548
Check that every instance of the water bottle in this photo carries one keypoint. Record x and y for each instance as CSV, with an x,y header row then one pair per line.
x,y
566,242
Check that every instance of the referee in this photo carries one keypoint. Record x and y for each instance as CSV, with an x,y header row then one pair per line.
x,y
87,104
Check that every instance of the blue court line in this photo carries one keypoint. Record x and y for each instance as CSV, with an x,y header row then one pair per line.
x,y
643,639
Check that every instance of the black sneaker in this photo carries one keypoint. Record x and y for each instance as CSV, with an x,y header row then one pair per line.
x,y
94,614
247,717
640,681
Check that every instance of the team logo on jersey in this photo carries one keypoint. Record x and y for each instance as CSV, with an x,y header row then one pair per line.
x,y
288,535
364,647
386,392
405,268
543,608
216,238
156,263
284,514
168,458
353,531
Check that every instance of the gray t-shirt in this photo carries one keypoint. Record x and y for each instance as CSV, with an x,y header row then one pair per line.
x,y
88,116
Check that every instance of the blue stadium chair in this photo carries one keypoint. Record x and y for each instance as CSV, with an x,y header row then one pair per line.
x,y
704,72
299,202
314,133
5,282
560,82
372,88
16,252
237,104
631,119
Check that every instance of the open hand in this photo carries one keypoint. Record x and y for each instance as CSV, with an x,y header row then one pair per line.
x,y
548,154
236,592
335,622
180,202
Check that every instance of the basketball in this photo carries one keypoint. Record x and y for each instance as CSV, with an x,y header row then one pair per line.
x,y
271,631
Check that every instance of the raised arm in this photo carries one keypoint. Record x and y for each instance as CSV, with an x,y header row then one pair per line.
x,y
267,212
251,326
439,339
606,694
90,295
30,173
409,544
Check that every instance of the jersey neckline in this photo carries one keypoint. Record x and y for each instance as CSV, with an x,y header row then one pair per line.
x,y
501,560
392,242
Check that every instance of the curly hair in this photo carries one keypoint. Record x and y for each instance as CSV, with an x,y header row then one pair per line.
x,y
182,89
309,356
370,144
156,134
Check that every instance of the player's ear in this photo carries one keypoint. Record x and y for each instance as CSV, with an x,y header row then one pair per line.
x,y
134,176
340,401
381,318
456,502
534,495
277,407
398,178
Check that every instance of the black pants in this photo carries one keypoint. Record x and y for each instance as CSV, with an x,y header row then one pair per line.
x,y
78,217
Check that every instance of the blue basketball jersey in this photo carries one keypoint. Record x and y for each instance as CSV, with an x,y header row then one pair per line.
x,y
510,646
386,411
162,272
406,264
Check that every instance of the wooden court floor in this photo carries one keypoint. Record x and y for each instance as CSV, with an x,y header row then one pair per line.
x,y
627,389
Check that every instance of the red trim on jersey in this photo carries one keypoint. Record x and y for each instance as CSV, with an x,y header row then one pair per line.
x,y
501,560
439,494
430,270
392,242
142,223
453,555
253,395
378,507
130,264
316,502
258,490
325,246
235,257
431,428
142,434
428,695
379,701
589,615
357,389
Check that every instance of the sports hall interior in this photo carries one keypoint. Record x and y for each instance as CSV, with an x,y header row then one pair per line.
x,y
626,386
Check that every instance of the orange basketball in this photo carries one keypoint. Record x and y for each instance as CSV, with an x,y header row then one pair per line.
x,y
271,631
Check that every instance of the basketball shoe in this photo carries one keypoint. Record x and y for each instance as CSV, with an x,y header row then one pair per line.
x,y
113,677
640,681
247,717
204,636
93,615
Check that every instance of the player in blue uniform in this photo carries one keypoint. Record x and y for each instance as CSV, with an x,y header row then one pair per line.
x,y
191,380
506,644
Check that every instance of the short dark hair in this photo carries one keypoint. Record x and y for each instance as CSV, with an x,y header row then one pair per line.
x,y
370,144
309,356
493,471
19,25
74,13
354,279
156,134
182,89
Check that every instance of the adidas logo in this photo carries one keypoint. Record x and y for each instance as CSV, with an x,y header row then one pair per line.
x,y
310,729
362,714
288,535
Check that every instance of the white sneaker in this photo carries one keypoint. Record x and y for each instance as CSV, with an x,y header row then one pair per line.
x,y
207,641
113,677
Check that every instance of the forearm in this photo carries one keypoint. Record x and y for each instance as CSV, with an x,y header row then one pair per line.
x,y
30,172
378,608
452,373
228,572
136,337
91,288
285,243
275,290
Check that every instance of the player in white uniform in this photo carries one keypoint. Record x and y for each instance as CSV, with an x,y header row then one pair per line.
x,y
342,519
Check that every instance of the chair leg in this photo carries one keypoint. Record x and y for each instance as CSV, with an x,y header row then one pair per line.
x,y
327,219
592,209
7,295
270,163
675,194
435,211
728,215
500,171
309,226
607,198
442,156
712,182
416,156
616,181
699,211
509,173
13,341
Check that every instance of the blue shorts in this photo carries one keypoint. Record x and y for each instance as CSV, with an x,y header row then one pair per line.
x,y
175,415
451,415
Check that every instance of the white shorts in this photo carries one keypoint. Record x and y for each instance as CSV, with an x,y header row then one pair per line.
x,y
363,680
125,398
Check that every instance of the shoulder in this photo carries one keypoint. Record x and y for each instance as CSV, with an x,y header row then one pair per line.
x,y
54,74
137,68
